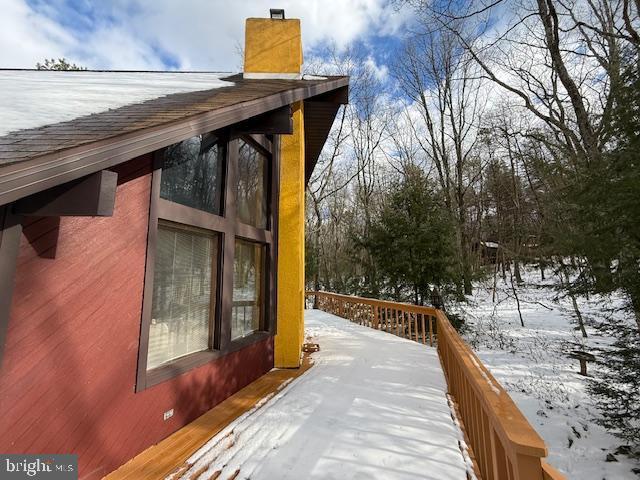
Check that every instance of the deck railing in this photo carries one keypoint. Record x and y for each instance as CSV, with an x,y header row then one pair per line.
x,y
504,446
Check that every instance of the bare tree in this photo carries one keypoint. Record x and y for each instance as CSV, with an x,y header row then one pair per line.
x,y
439,77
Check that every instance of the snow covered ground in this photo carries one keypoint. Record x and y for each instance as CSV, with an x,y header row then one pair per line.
x,y
372,407
532,364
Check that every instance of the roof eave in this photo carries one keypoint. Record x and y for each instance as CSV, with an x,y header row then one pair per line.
x,y
49,170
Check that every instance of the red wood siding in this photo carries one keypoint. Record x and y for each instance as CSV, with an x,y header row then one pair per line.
x,y
69,367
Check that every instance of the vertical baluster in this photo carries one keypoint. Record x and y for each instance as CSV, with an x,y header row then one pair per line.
x,y
486,452
409,324
386,319
476,422
395,321
424,333
498,456
430,331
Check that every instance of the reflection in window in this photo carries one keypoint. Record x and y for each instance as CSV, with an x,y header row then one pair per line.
x,y
251,191
182,284
192,173
247,289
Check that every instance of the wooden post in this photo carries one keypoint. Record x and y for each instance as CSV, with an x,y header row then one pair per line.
x,y
430,331
527,467
375,317
424,333
583,367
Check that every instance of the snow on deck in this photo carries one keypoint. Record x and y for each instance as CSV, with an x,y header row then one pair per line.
x,y
32,98
372,407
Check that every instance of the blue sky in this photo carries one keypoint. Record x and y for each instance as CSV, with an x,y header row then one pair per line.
x,y
185,34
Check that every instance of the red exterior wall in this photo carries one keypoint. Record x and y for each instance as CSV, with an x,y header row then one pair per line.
x,y
69,367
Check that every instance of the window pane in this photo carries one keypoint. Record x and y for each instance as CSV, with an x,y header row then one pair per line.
x,y
181,308
192,173
247,289
251,191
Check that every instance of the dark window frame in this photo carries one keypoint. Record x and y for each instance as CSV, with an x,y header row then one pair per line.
x,y
228,227
264,311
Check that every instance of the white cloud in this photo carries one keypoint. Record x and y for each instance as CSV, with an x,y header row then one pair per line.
x,y
27,37
194,34
381,72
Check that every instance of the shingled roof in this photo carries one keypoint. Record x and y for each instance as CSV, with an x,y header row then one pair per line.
x,y
34,159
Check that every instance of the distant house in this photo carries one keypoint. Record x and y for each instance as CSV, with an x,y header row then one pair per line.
x,y
487,251
151,243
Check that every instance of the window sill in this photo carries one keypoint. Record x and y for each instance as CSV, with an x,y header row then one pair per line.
x,y
187,363
250,339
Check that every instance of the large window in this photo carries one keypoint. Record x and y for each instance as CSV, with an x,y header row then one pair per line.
x,y
251,186
192,173
183,294
210,261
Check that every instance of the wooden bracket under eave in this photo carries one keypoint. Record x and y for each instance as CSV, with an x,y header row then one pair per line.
x,y
339,95
90,196
275,122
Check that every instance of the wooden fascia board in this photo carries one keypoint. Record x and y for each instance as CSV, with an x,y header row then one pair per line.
x,y
22,179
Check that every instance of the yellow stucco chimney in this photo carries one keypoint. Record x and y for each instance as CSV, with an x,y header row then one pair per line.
x,y
273,49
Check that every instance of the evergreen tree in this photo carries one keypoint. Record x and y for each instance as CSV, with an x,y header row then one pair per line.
x,y
412,241
608,212
59,64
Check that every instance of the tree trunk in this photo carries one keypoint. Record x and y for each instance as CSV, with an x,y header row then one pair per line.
x,y
566,283
516,271
515,294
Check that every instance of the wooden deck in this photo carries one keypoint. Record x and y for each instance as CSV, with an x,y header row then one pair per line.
x,y
170,454
373,406
502,442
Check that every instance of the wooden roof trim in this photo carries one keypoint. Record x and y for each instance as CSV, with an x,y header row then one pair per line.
x,y
18,180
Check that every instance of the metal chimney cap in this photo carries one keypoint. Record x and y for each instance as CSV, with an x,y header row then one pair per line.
x,y
276,13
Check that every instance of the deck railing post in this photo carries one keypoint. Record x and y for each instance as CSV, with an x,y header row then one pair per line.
x,y
527,467
498,457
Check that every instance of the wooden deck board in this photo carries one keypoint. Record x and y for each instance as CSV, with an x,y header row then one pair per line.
x,y
161,459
